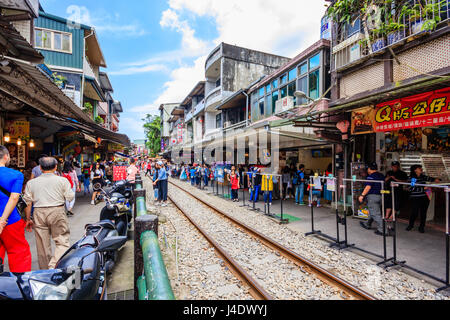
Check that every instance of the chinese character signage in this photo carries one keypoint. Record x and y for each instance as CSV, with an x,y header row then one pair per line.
x,y
18,129
424,110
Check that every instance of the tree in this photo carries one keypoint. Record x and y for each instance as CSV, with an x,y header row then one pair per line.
x,y
152,128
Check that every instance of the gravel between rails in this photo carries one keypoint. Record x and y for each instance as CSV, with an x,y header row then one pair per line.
x,y
276,274
202,274
359,271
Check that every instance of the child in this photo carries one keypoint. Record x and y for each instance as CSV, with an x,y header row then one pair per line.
x,y
316,192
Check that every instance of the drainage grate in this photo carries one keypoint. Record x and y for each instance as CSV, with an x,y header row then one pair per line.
x,y
122,296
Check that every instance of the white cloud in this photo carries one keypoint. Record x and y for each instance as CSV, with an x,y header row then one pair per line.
x,y
105,25
139,69
282,27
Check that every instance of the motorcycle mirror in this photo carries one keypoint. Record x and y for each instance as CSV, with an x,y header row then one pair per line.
x,y
112,244
97,187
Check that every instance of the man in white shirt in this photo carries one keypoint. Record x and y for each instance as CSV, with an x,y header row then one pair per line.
x,y
48,194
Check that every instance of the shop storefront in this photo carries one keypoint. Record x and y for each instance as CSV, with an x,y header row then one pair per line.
x,y
413,130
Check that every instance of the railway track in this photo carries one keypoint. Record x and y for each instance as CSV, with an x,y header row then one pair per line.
x,y
347,290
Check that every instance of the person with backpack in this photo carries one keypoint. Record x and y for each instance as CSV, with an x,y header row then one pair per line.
x,y
198,175
299,184
12,226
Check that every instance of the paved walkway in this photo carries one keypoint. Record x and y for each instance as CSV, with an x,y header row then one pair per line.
x,y
425,252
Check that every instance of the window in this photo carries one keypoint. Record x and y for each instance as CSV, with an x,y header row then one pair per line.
x,y
314,62
292,74
268,89
53,40
283,92
261,92
275,84
261,107
291,90
219,121
302,86
283,79
303,69
268,105
314,84
274,100
218,83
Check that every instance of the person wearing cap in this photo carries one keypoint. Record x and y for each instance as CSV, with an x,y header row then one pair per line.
x,y
395,175
372,191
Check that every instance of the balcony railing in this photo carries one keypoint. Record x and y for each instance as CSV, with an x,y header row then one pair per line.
x,y
422,17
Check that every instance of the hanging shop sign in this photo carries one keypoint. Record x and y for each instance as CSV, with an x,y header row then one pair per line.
x,y
423,110
362,120
180,133
18,129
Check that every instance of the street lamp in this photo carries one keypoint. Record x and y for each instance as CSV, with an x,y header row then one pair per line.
x,y
302,95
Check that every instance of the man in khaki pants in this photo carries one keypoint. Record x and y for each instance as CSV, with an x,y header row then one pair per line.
x,y
49,193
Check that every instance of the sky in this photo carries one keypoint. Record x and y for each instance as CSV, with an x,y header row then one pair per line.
x,y
155,50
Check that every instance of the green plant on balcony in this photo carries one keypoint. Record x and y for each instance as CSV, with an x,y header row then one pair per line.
x,y
88,108
59,80
99,120
386,15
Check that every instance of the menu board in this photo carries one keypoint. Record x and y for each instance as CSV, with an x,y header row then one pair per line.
x,y
119,173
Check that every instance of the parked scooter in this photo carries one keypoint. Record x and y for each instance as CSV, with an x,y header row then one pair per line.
x,y
79,275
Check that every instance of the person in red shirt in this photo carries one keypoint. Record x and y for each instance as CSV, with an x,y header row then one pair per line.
x,y
233,178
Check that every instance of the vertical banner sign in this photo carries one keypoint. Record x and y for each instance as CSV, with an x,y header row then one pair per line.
x,y
422,110
21,156
180,133
119,173
162,145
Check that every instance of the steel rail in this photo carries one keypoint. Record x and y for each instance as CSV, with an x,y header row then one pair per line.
x,y
256,290
320,272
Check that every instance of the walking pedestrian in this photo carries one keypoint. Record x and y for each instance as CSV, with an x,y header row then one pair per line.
x,y
36,173
395,175
286,180
162,184
254,181
132,171
86,179
372,192
70,174
97,178
155,186
420,200
299,182
12,226
48,194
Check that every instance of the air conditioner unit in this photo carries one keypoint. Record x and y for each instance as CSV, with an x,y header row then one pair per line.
x,y
284,104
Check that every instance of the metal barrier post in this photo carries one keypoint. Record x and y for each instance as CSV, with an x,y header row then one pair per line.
x,y
313,231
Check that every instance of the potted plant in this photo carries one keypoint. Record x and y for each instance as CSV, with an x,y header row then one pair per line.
x,y
99,120
395,32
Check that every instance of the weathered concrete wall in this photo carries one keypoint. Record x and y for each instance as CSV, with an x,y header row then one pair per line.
x,y
252,56
238,74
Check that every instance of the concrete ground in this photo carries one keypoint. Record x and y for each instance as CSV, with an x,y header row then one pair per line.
x,y
123,274
425,252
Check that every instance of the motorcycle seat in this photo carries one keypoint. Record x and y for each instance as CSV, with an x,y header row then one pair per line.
x,y
105,224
